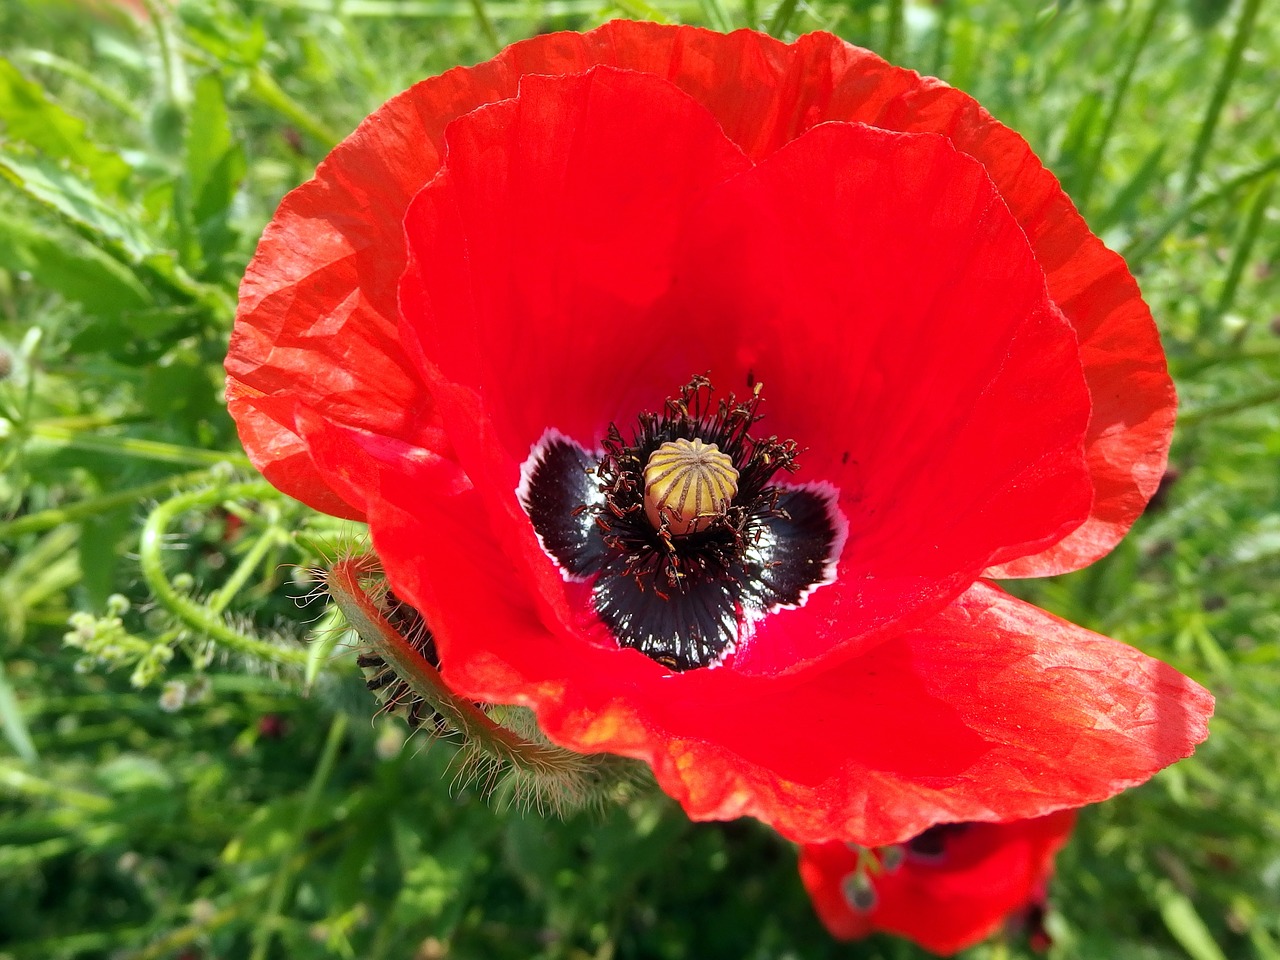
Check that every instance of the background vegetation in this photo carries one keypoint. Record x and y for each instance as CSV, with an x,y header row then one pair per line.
x,y
199,780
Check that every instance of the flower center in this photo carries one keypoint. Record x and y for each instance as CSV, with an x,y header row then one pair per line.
x,y
681,528
687,484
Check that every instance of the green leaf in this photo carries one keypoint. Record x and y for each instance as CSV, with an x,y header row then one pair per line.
x,y
215,166
116,231
11,720
72,268
101,551
65,193
1186,926
31,117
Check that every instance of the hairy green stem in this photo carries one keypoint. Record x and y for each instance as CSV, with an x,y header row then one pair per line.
x,y
223,596
264,89
1143,247
18,781
424,680
780,22
197,616
893,30
486,24
1240,259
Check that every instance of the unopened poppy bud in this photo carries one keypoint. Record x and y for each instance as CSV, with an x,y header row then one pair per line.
x,y
688,484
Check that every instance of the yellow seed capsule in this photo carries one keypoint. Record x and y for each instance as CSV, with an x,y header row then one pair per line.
x,y
688,483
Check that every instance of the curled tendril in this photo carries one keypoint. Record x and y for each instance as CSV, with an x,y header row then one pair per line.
x,y
199,617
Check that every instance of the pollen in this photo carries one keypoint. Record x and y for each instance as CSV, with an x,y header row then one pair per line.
x,y
687,484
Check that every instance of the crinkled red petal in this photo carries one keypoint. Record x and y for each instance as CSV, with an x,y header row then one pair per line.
x,y
330,259
269,434
992,710
577,259
987,873
876,285
536,258
765,93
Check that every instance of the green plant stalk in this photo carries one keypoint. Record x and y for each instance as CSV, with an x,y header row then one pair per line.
x,y
1143,248
715,14
86,78
424,680
264,929
13,722
197,616
1188,370
222,597
92,506
486,24
1118,93
1212,113
28,784
1239,260
264,89
780,22
893,30
640,10
1262,397
135,447
941,34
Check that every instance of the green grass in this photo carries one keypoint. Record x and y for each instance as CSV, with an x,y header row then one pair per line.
x,y
267,815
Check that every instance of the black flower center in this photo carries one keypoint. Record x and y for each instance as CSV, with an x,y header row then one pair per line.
x,y
682,529
932,845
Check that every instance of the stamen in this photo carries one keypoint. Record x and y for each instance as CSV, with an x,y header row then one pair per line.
x,y
687,484
680,527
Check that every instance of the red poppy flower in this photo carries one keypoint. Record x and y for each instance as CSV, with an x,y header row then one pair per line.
x,y
948,888
525,321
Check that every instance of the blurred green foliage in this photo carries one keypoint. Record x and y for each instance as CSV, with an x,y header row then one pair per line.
x,y
199,776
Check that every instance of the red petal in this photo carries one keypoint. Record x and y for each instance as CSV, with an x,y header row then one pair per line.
x,y
765,93
537,255
271,439
335,246
992,710
986,874
917,355
878,288
535,260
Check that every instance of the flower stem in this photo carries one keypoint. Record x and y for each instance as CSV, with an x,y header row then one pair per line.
x,y
92,506
135,447
893,30
248,564
780,22
280,883
1261,398
1144,246
1239,260
265,90
1118,94
197,616
486,24
1231,67
464,716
